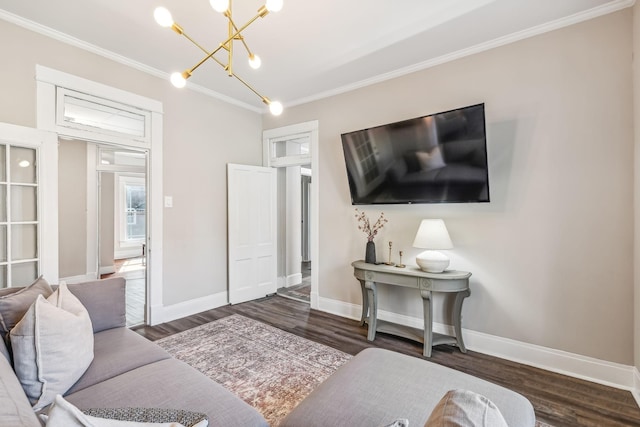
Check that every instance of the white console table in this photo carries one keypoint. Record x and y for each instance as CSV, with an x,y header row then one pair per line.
x,y
450,281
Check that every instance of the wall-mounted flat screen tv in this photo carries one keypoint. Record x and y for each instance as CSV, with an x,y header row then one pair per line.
x,y
439,158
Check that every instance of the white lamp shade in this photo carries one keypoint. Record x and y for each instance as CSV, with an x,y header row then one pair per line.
x,y
432,234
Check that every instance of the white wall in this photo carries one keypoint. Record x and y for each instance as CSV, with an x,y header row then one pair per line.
x,y
201,135
552,254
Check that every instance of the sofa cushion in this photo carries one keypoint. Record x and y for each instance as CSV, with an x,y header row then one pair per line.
x,y
15,303
104,300
4,351
52,346
378,386
464,408
64,414
170,384
117,351
15,409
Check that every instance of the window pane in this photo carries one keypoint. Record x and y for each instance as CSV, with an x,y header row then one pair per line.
x,y
110,156
3,276
24,274
136,212
3,163
23,203
24,241
103,117
291,147
23,165
3,243
3,203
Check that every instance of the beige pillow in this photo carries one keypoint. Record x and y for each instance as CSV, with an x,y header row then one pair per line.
x,y
430,160
464,408
52,346
64,414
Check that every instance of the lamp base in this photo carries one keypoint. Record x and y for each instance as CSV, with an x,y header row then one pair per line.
x,y
432,261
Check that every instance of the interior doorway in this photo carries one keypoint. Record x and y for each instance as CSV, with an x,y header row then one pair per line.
x,y
102,197
295,252
293,150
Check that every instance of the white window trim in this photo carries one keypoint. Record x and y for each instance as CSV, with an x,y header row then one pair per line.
x,y
120,234
47,80
62,93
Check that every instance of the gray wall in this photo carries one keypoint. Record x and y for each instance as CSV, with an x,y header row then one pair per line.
x,y
72,208
107,214
201,135
552,254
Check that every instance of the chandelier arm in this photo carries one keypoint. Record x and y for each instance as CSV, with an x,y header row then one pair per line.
x,y
241,37
263,98
197,44
231,37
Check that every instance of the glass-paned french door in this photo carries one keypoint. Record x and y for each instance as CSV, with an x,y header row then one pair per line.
x,y
19,221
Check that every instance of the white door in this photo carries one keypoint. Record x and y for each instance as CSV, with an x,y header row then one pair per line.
x,y
251,202
28,205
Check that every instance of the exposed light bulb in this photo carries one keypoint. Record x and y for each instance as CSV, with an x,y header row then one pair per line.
x,y
219,5
254,61
163,17
276,108
274,5
177,80
24,163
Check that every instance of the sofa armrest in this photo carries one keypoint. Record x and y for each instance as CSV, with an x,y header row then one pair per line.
x,y
104,300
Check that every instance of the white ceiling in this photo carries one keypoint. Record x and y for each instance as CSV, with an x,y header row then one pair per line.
x,y
309,49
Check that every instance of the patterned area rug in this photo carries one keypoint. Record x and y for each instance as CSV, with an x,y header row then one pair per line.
x,y
270,369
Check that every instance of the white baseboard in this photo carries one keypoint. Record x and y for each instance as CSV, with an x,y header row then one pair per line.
x,y
636,385
294,279
107,269
575,365
79,279
163,314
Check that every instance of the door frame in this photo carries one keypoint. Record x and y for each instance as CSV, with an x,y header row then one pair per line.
x,y
47,82
310,129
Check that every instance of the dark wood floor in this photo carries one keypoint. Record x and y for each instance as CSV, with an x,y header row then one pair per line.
x,y
558,400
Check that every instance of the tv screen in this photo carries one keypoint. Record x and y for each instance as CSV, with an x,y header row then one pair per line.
x,y
439,158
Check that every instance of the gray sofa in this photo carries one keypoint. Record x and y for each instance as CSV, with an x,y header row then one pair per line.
x,y
127,371
378,386
373,389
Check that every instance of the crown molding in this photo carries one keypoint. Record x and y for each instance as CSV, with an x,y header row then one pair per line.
x,y
596,12
73,41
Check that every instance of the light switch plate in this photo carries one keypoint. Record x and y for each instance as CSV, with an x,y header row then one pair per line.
x,y
168,201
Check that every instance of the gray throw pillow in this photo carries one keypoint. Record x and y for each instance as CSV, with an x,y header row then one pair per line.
x,y
14,305
64,414
465,408
148,415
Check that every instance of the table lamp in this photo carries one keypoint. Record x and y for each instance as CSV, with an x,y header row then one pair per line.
x,y
432,235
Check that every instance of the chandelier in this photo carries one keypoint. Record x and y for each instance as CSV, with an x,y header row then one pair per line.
x,y
163,18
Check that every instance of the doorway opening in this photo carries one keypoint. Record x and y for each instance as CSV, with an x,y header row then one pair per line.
x,y
294,206
102,199
293,150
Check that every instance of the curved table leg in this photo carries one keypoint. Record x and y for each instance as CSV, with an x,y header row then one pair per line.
x,y
457,318
428,322
372,297
365,303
